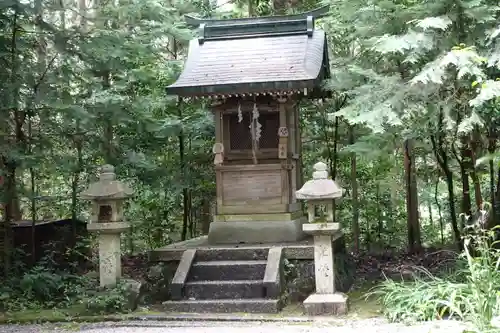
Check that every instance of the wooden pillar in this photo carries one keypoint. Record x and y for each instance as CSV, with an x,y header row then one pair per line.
x,y
298,145
218,149
292,125
283,149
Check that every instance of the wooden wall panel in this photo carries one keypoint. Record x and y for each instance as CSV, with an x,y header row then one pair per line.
x,y
251,186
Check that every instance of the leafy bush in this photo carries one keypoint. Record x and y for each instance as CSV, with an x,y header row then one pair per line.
x,y
42,288
109,301
469,294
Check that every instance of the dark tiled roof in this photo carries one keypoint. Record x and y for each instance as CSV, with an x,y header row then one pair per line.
x,y
276,54
251,65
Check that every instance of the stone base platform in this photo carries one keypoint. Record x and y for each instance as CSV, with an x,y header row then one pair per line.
x,y
238,277
249,232
326,304
298,250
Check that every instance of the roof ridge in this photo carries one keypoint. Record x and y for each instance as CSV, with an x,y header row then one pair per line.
x,y
196,22
275,26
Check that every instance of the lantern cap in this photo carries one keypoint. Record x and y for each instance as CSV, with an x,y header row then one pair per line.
x,y
107,187
320,187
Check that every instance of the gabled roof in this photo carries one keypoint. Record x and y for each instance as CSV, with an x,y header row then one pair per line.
x,y
279,54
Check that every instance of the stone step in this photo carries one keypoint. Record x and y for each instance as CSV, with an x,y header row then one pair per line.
x,y
227,270
223,306
231,289
232,254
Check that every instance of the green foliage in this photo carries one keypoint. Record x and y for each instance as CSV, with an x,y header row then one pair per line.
x,y
470,294
85,86
41,288
419,300
109,301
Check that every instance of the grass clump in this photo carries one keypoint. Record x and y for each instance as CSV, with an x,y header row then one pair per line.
x,y
421,299
469,294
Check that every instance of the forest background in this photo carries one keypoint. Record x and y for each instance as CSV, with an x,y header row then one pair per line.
x,y
411,132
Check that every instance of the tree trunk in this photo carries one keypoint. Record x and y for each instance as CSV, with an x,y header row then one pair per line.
x,y
429,200
494,202
250,8
19,121
442,159
7,161
354,194
38,92
11,212
110,156
331,151
182,160
473,148
436,198
77,136
466,204
380,223
414,240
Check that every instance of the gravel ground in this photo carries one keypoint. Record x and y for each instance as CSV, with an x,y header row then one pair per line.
x,y
340,326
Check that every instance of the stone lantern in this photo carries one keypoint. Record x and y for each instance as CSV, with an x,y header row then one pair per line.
x,y
108,196
321,192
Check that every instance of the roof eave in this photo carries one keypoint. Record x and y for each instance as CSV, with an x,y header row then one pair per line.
x,y
243,88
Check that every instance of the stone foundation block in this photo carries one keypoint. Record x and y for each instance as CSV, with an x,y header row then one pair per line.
x,y
256,232
326,304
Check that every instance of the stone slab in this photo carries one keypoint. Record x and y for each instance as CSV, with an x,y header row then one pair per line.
x,y
108,227
181,274
223,306
326,304
219,317
324,265
109,259
274,274
256,232
232,254
321,228
297,250
257,217
235,289
227,270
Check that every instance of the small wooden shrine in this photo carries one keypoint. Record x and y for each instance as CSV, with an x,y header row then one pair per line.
x,y
255,71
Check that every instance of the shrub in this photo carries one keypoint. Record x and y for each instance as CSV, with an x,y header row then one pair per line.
x,y
42,288
108,301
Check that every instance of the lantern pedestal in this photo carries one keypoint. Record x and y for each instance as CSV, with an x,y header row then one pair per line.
x,y
326,300
110,266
